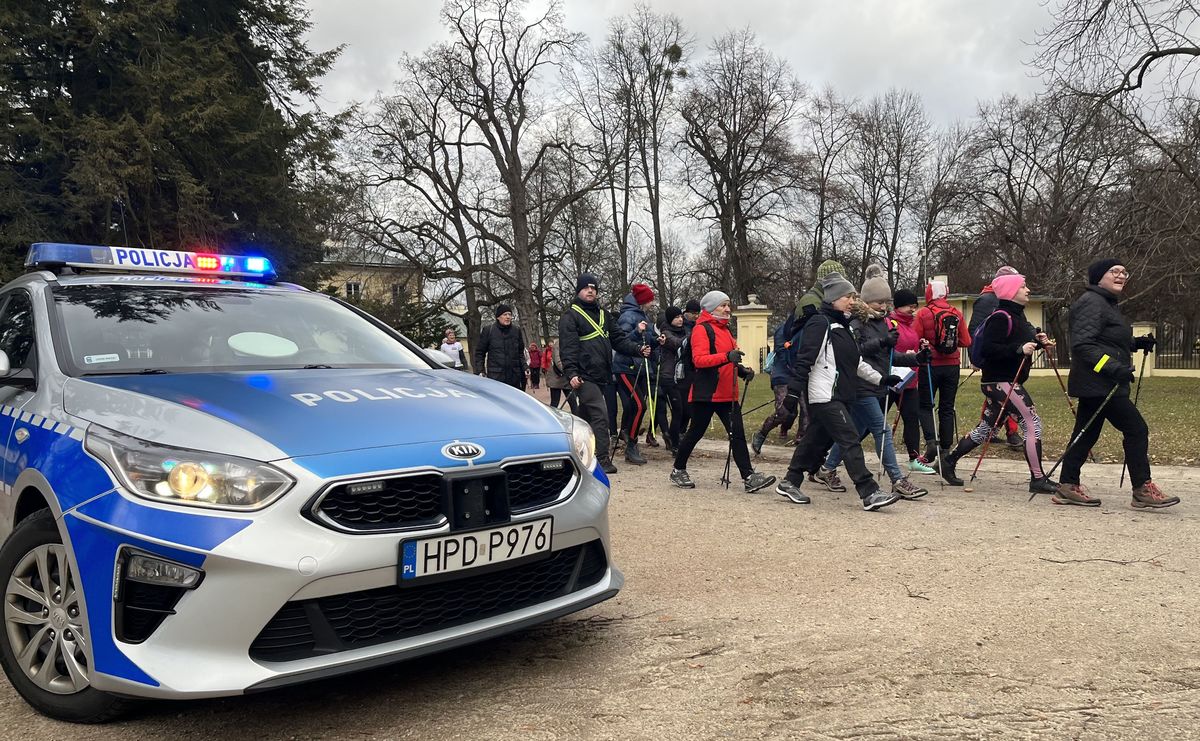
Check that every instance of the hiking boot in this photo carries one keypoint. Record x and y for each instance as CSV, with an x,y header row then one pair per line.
x,y
828,477
947,470
908,490
680,478
1043,485
1014,441
931,453
916,466
1074,494
634,455
607,466
756,442
1149,495
757,481
792,491
879,499
651,441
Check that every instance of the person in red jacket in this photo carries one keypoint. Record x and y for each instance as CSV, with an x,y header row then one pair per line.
x,y
717,359
946,330
535,364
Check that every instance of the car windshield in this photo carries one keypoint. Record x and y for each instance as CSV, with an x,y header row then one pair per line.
x,y
107,329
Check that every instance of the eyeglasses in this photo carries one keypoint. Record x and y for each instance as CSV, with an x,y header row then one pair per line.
x,y
1119,273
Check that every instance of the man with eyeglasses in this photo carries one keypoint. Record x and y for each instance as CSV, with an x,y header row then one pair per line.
x,y
1102,348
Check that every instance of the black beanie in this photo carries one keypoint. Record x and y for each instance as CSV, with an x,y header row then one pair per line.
x,y
502,309
693,307
1097,270
672,312
904,297
585,280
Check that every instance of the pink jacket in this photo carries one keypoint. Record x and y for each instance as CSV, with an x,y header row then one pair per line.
x,y
910,340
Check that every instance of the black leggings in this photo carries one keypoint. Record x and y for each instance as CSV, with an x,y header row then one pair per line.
x,y
915,420
1122,414
731,417
1019,404
668,410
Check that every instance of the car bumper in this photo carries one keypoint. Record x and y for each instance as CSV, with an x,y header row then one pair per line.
x,y
280,557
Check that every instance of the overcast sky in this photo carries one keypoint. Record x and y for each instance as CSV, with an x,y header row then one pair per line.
x,y
951,52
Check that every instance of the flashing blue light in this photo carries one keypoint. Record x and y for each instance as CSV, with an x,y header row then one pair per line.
x,y
55,254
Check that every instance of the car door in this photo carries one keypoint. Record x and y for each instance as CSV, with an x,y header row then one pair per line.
x,y
17,340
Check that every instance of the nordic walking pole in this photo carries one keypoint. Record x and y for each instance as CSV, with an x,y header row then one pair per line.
x,y
999,416
725,479
1053,364
968,378
1137,395
649,396
936,433
1080,435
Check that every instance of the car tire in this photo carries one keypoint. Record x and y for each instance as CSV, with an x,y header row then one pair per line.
x,y
39,650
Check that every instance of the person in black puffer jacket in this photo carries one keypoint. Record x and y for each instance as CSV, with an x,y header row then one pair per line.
x,y
1007,344
500,352
1102,347
668,409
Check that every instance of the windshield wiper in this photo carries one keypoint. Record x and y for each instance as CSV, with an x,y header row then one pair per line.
x,y
142,372
317,366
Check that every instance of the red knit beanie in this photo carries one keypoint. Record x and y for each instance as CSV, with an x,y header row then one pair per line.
x,y
642,294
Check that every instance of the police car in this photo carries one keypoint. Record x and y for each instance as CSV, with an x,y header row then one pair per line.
x,y
217,484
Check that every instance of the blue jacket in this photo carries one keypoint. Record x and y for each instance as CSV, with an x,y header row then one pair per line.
x,y
631,315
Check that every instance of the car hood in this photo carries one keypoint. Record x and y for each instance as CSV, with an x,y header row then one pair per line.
x,y
293,413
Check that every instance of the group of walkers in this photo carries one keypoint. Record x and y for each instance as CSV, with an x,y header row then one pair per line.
x,y
841,362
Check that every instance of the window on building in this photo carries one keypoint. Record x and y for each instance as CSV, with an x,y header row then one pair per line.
x,y
353,290
399,294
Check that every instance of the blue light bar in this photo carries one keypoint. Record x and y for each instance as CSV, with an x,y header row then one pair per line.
x,y
131,259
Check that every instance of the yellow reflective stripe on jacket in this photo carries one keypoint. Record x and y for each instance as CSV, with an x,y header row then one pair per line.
x,y
1100,365
599,328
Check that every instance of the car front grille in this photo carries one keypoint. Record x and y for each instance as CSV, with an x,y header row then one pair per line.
x,y
329,624
424,500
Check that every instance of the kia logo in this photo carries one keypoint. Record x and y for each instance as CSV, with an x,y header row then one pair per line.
x,y
462,451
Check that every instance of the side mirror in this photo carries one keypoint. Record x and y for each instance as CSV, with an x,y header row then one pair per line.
x,y
5,368
440,358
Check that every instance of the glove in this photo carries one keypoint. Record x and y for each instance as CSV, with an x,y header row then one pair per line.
x,y
925,356
745,373
735,356
1128,375
645,351
893,336
889,380
1145,343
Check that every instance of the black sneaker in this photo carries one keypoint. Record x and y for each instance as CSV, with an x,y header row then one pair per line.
x,y
1015,442
633,455
792,491
756,481
680,478
607,466
757,441
879,499
946,467
1043,485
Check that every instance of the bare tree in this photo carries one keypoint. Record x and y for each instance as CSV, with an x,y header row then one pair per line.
x,y
904,138
942,198
738,150
828,131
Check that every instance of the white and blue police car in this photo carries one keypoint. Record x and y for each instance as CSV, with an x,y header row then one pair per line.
x,y
215,484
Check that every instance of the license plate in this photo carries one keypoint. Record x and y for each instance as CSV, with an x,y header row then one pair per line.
x,y
449,553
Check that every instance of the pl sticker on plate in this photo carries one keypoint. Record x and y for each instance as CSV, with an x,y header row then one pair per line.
x,y
109,358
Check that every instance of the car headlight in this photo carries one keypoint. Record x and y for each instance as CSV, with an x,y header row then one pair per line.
x,y
583,441
187,477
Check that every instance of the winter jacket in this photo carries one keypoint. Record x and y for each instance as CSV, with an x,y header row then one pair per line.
x,y
983,307
632,362
910,341
591,358
716,378
828,363
872,330
810,302
535,357
1000,347
927,327
1101,345
503,349
546,358
554,369
669,352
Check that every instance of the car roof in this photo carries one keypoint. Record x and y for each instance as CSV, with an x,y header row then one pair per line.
x,y
45,277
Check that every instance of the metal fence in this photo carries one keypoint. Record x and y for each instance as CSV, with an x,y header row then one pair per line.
x,y
1178,347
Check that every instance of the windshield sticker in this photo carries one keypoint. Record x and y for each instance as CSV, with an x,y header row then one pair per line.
x,y
109,358
381,394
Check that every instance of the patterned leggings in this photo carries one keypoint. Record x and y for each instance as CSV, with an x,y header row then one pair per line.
x,y
1020,405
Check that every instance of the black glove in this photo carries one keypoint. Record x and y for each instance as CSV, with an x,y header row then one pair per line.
x,y
1128,375
745,373
889,381
735,356
791,403
925,357
1145,343
893,336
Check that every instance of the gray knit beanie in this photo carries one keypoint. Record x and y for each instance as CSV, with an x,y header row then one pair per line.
x,y
712,300
875,287
834,286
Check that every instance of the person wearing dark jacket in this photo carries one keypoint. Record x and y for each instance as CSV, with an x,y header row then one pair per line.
x,y
668,405
634,372
983,307
500,352
718,363
586,336
686,372
1007,344
877,338
1102,347
826,372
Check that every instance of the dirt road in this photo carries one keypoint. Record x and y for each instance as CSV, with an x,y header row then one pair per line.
x,y
746,617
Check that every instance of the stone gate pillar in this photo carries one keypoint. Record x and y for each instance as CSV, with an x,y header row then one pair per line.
x,y
752,331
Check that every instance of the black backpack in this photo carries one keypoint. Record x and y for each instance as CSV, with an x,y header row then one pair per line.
x,y
686,367
945,331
